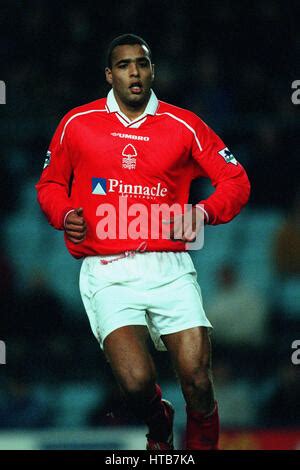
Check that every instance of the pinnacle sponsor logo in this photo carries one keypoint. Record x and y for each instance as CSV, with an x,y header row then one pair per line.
x,y
103,186
130,136
99,186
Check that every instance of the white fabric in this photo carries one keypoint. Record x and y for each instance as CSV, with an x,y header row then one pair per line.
x,y
113,107
154,289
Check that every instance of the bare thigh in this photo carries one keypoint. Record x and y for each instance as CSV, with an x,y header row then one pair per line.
x,y
190,351
127,352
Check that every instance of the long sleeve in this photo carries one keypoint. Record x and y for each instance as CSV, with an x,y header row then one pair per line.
x,y
228,177
53,187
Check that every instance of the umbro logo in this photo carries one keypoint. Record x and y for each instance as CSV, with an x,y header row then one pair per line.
x,y
130,136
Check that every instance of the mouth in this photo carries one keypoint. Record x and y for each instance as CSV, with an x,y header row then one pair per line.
x,y
136,88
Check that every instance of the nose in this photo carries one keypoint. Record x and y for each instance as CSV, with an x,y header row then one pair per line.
x,y
134,71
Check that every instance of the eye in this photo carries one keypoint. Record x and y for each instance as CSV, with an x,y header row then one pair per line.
x,y
122,66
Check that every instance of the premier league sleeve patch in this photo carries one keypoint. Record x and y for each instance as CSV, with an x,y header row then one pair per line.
x,y
228,157
47,159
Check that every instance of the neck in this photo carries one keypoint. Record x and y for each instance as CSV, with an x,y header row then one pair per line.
x,y
132,112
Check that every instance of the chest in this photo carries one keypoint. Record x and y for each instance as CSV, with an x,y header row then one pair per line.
x,y
152,149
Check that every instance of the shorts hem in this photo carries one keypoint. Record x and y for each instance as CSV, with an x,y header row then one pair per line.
x,y
186,327
116,327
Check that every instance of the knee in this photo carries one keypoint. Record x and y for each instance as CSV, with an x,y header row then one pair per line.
x,y
197,379
139,382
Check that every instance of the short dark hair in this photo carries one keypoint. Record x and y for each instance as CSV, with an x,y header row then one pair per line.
x,y
124,40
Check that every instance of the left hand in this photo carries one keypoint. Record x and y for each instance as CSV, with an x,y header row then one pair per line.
x,y
185,227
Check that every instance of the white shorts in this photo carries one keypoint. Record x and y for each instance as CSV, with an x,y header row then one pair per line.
x,y
154,289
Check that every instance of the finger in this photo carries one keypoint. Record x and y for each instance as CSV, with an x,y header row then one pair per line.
x,y
79,211
179,228
75,241
189,231
75,221
175,227
73,218
172,232
168,221
76,235
172,219
175,235
189,237
75,228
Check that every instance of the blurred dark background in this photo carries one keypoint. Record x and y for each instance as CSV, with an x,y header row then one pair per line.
x,y
233,63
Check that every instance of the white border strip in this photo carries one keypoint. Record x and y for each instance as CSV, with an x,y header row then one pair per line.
x,y
65,217
199,206
79,114
185,124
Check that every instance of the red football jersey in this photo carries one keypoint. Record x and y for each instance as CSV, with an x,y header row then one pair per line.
x,y
98,157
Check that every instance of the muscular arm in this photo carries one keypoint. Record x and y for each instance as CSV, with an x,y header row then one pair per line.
x,y
54,184
228,177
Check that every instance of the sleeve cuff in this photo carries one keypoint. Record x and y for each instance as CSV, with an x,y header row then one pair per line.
x,y
66,215
208,213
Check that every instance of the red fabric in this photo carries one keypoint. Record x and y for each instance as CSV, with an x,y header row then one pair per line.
x,y
202,433
170,149
154,413
157,418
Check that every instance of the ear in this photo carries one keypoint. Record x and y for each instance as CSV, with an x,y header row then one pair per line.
x,y
108,75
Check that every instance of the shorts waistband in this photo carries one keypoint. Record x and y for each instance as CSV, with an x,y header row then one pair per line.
x,y
110,258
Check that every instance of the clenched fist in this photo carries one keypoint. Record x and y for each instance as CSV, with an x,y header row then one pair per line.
x,y
75,226
185,227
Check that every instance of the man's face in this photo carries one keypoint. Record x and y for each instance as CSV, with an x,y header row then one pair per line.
x,y
131,74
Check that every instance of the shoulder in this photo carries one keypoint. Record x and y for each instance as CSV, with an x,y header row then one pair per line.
x,y
185,116
85,109
75,115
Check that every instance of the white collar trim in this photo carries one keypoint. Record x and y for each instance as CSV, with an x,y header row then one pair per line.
x,y
113,107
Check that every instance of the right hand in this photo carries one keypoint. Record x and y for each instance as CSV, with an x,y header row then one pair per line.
x,y
75,226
